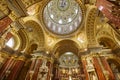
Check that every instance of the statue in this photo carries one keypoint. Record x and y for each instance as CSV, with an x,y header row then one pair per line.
x,y
90,66
91,70
92,76
43,70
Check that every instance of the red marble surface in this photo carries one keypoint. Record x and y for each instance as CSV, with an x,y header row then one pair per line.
x,y
4,23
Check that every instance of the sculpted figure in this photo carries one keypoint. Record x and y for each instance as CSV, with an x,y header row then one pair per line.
x,y
89,64
43,70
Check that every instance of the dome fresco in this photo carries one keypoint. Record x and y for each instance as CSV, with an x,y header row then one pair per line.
x,y
68,59
62,16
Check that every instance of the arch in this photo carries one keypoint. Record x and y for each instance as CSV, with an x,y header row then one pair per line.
x,y
65,46
62,50
34,29
90,24
104,37
107,42
23,39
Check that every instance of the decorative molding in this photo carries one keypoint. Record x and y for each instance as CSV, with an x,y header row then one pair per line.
x,y
90,25
28,3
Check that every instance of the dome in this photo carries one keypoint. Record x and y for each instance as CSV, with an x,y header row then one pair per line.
x,y
62,16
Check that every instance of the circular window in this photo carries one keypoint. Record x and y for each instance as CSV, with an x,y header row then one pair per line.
x,y
62,16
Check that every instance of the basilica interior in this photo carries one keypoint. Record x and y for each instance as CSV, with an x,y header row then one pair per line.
x,y
59,39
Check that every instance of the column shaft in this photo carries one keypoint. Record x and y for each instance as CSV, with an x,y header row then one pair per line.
x,y
49,70
31,69
6,70
98,69
16,69
85,69
36,69
107,68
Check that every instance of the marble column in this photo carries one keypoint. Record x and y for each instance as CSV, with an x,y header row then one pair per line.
x,y
36,69
91,69
108,72
4,24
31,70
84,63
49,64
6,69
98,68
16,69
55,72
4,65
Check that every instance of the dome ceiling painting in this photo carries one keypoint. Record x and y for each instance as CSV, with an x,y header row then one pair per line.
x,y
68,59
62,16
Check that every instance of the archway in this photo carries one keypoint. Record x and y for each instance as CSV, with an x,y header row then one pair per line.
x,y
109,43
106,42
35,35
68,63
65,46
